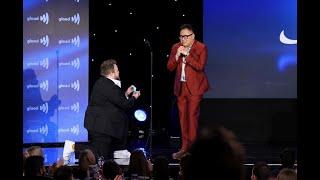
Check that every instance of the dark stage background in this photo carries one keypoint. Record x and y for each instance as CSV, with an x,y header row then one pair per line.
x,y
117,30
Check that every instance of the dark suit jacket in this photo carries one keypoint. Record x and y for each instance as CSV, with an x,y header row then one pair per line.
x,y
197,81
106,112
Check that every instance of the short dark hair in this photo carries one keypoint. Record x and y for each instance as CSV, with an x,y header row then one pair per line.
x,y
111,169
261,170
220,147
107,66
187,26
63,173
33,165
161,168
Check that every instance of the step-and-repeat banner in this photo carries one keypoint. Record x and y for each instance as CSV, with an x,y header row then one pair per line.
x,y
55,70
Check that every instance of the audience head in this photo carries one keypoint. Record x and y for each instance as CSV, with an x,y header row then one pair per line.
x,y
34,151
138,163
160,168
86,159
111,169
34,166
287,174
260,171
63,173
220,148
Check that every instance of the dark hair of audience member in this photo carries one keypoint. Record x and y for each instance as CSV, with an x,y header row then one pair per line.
x,y
261,171
160,168
138,164
111,169
34,166
63,173
220,149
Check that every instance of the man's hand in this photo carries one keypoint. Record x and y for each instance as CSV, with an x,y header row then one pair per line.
x,y
185,52
180,51
129,90
136,94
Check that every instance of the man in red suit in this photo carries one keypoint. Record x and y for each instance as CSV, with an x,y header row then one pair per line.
x,y
188,58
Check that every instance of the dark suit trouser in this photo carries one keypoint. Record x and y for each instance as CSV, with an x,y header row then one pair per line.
x,y
103,144
189,111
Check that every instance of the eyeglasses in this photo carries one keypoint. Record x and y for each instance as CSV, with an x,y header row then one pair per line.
x,y
185,36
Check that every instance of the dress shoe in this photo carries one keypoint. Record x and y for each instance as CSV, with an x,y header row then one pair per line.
x,y
178,155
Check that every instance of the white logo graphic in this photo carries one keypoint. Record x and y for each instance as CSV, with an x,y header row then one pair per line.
x,y
77,1
44,63
43,85
285,40
75,129
44,130
44,41
44,108
75,41
75,63
74,85
75,19
43,18
75,107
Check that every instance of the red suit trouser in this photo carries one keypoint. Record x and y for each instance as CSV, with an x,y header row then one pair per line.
x,y
189,110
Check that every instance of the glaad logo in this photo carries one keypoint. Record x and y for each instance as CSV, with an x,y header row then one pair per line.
x,y
43,85
44,41
43,18
75,19
74,85
44,108
75,41
283,39
44,63
44,130
75,107
75,63
75,129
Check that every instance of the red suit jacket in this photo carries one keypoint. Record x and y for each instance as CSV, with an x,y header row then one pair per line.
x,y
197,81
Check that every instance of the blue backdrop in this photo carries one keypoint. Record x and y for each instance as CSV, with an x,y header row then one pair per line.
x,y
55,70
247,59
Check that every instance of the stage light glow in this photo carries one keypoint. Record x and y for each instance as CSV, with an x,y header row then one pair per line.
x,y
140,115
